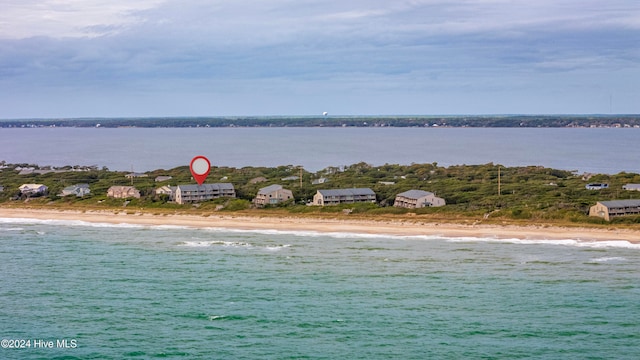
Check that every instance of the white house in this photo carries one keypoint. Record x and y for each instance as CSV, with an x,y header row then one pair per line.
x,y
167,190
417,199
631,187
33,189
78,190
271,195
596,186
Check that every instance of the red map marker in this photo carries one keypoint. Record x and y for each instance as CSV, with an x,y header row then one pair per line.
x,y
200,167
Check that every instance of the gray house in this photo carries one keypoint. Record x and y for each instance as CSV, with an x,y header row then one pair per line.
x,y
417,199
609,209
271,195
197,193
78,190
343,196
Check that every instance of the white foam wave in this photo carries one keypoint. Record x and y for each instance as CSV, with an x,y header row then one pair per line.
x,y
562,242
216,243
336,235
608,259
277,247
12,229
69,223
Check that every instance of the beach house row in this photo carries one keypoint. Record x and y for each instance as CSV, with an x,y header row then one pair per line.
x,y
409,199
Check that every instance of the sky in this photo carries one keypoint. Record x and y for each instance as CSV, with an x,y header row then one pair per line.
x,y
125,58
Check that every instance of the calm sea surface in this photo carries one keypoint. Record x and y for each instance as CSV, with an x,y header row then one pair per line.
x,y
587,150
118,292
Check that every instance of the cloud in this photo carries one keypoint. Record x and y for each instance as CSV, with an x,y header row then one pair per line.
x,y
404,49
69,18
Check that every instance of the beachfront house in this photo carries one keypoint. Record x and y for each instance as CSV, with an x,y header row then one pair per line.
x,y
272,195
631,187
614,208
78,190
33,189
170,191
413,199
123,192
343,196
197,193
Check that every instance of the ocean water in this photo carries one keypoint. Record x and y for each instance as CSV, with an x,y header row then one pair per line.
x,y
599,150
121,291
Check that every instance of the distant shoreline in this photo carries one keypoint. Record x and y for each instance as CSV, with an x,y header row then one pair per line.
x,y
473,121
401,227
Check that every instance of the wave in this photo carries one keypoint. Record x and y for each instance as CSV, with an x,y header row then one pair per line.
x,y
11,229
215,243
336,235
608,259
596,244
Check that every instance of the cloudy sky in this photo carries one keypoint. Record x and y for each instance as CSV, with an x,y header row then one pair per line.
x,y
86,58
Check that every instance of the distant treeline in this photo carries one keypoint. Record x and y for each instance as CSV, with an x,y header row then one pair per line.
x,y
340,121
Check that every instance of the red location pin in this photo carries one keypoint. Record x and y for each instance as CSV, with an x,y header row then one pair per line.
x,y
200,167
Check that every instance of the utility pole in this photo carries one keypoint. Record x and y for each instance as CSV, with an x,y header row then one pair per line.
x,y
300,177
499,192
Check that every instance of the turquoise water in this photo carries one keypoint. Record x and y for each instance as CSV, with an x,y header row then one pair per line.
x,y
166,292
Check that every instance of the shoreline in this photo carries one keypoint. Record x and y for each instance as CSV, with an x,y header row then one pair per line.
x,y
354,226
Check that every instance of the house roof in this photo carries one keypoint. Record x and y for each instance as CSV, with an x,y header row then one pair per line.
x,y
415,194
121,188
269,189
77,186
31,186
206,187
620,203
347,192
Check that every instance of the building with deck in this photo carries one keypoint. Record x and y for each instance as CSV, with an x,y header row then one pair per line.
x,y
343,196
615,208
272,195
197,193
413,199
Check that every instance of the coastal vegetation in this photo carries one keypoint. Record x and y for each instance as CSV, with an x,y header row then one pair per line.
x,y
486,193
340,121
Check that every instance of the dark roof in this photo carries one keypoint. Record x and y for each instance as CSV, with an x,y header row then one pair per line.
x,y
347,192
620,203
206,187
415,194
269,189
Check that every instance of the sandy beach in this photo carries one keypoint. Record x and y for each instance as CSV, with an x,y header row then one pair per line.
x,y
398,228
